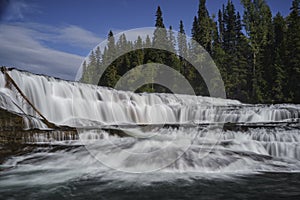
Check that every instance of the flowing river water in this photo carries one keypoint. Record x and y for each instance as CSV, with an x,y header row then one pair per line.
x,y
179,146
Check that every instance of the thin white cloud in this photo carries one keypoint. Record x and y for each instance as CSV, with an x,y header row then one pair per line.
x,y
24,45
76,36
70,35
17,9
19,48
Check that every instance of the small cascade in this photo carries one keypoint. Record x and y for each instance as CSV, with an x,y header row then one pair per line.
x,y
175,133
80,105
197,149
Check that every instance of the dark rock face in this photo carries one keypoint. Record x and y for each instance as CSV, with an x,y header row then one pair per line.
x,y
10,121
16,140
12,129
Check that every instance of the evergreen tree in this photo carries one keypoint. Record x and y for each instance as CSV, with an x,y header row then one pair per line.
x,y
148,52
160,34
123,62
221,25
204,27
85,75
266,58
171,39
229,46
195,29
182,42
218,53
182,47
278,75
160,41
110,51
138,55
242,69
171,57
110,75
259,33
92,67
202,33
293,52
92,58
234,60
261,66
229,22
98,55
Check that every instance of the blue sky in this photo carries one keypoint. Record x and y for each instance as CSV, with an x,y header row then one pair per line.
x,y
53,36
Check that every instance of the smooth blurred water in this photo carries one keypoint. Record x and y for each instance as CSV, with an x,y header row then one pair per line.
x,y
83,105
214,186
194,158
240,165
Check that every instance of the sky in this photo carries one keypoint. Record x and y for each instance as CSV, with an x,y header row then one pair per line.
x,y
53,37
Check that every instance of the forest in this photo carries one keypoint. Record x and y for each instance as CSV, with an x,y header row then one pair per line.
x,y
257,54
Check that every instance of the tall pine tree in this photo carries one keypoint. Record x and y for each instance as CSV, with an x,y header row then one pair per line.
x,y
259,34
182,47
278,74
293,51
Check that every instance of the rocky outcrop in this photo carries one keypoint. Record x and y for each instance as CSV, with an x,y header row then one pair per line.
x,y
12,129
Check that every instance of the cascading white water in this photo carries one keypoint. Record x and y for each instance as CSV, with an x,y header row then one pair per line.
x,y
193,149
196,149
76,104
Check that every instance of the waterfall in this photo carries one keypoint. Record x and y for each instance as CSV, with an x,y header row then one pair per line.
x,y
81,105
268,138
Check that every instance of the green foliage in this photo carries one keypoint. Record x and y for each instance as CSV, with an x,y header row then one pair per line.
x,y
278,74
293,52
259,60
